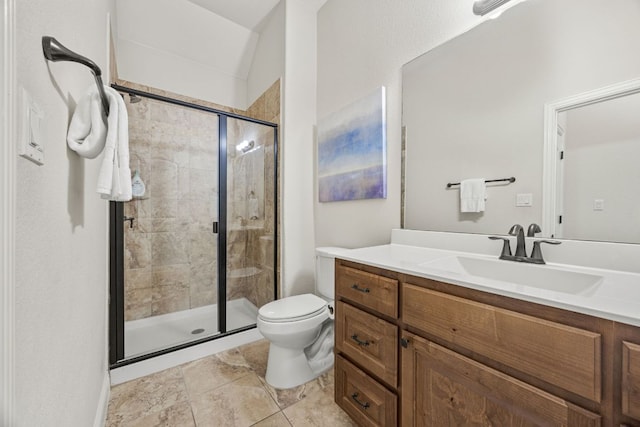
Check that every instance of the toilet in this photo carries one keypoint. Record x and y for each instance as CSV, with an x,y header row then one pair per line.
x,y
300,329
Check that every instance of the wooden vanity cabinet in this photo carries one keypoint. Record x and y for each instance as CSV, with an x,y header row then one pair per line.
x,y
627,374
630,385
366,345
447,355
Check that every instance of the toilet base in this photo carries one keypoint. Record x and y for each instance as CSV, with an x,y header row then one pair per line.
x,y
287,368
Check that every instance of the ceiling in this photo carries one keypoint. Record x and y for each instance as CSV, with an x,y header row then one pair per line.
x,y
218,34
247,13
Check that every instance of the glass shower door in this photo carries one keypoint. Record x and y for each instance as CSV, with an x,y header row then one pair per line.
x,y
171,255
194,256
251,226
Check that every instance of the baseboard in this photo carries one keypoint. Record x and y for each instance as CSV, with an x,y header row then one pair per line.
x,y
103,403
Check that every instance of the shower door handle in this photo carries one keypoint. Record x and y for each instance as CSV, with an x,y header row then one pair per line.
x,y
130,219
215,227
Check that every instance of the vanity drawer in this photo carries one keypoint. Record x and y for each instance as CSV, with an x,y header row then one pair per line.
x,y
631,380
366,401
369,341
561,355
370,290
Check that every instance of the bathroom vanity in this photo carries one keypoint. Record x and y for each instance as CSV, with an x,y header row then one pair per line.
x,y
421,342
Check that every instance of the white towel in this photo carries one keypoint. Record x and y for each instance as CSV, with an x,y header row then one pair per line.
x,y
114,181
88,136
87,132
473,193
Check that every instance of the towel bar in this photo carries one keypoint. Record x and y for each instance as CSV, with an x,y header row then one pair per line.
x,y
54,51
512,179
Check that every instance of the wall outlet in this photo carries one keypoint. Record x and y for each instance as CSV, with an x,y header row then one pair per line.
x,y
598,204
524,200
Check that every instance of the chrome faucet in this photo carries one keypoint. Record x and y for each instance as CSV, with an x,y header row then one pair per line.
x,y
521,252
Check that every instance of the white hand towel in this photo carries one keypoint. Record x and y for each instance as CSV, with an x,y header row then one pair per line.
x,y
473,193
114,181
87,132
89,136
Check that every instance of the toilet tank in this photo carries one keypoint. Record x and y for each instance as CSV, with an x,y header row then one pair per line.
x,y
325,271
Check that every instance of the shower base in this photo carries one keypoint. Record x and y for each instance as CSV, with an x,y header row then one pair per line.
x,y
159,332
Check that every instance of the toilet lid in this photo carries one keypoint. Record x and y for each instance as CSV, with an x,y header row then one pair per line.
x,y
292,308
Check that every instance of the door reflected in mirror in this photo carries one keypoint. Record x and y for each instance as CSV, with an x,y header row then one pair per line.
x,y
594,155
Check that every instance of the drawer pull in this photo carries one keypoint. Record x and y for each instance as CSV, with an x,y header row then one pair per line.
x,y
364,405
360,343
358,288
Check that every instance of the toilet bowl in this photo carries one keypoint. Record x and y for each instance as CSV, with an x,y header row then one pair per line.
x,y
287,365
300,329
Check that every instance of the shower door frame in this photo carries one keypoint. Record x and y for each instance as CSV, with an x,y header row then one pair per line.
x,y
116,241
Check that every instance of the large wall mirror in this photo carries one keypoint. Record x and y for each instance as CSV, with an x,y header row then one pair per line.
x,y
475,107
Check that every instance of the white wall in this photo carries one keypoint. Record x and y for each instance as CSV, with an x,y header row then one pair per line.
x,y
188,49
160,69
268,59
363,45
299,118
184,48
61,230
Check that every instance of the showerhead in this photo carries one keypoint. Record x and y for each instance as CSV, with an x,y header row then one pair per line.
x,y
245,146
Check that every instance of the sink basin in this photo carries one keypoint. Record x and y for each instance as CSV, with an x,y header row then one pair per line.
x,y
535,276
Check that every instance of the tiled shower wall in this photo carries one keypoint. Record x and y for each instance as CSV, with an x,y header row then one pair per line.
x,y
250,259
267,108
250,262
170,253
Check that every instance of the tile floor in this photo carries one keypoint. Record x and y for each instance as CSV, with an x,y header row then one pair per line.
x,y
225,389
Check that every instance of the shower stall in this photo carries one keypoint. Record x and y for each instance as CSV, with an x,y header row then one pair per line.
x,y
193,255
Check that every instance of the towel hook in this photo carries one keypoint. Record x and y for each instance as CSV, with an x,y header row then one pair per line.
x,y
55,51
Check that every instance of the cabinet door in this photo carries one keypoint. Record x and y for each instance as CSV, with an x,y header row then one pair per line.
x,y
443,388
631,380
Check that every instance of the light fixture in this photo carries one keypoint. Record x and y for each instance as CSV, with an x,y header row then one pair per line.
x,y
245,146
482,7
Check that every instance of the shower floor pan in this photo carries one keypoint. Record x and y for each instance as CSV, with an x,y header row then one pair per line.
x,y
159,332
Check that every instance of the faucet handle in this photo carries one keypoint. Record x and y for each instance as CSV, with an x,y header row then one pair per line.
x,y
506,247
536,253
533,229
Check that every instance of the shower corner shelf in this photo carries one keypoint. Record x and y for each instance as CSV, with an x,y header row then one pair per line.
x,y
243,272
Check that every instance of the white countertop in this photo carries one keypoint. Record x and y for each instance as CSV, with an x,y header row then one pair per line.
x,y
616,296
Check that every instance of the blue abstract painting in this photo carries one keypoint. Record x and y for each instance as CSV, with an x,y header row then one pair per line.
x,y
352,157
